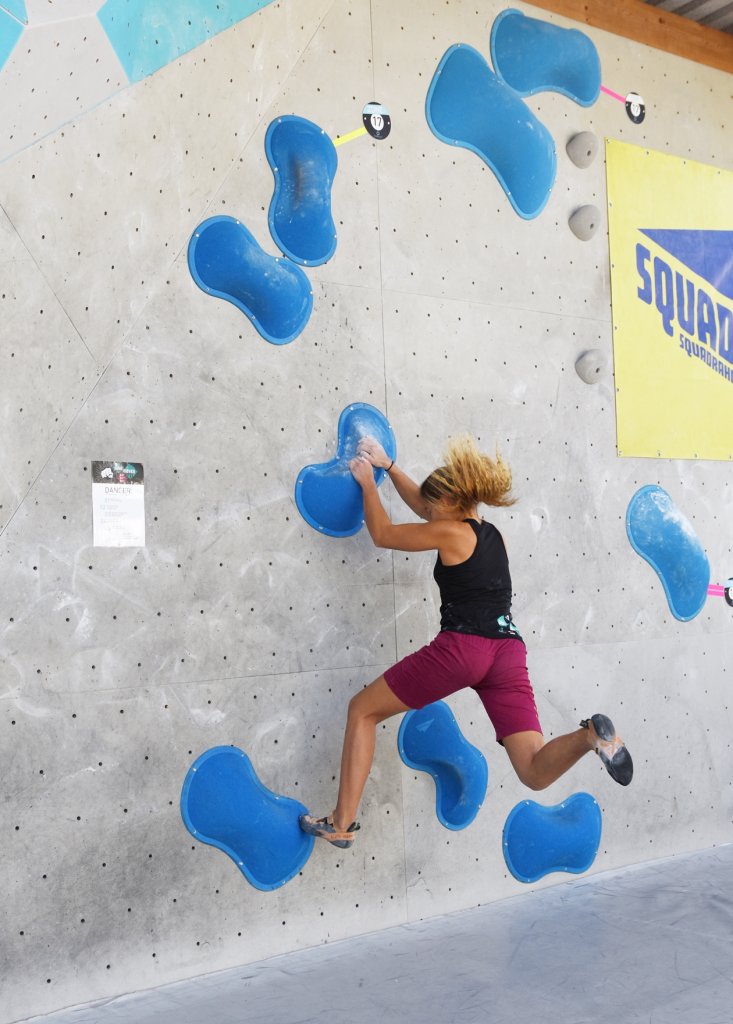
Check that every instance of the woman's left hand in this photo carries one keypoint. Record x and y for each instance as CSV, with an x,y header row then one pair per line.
x,y
362,470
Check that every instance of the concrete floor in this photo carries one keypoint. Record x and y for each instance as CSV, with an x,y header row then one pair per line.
x,y
651,943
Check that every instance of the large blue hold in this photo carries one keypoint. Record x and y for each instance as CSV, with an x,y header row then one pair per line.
x,y
662,535
431,741
224,804
227,262
467,105
327,495
534,56
539,840
303,161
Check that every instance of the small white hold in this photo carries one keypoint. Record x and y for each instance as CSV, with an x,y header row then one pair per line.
x,y
583,149
584,222
591,365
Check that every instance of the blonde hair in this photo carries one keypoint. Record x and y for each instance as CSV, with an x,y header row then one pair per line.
x,y
468,478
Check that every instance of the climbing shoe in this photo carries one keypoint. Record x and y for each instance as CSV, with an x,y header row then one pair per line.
x,y
611,749
323,828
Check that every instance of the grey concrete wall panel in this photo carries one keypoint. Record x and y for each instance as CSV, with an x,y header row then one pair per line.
x,y
41,12
59,70
238,623
47,371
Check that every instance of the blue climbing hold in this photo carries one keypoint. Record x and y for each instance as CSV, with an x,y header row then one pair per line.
x,y
662,535
467,105
327,496
535,56
224,804
431,741
539,840
303,162
227,262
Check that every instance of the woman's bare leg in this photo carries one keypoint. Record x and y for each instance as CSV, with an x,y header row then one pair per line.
x,y
539,764
367,709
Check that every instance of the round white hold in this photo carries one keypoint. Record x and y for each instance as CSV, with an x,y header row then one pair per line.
x,y
583,149
584,222
590,365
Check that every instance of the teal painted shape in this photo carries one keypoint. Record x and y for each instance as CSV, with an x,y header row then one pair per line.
x,y
538,841
430,740
303,162
327,495
664,538
148,34
16,8
467,105
10,32
224,804
534,56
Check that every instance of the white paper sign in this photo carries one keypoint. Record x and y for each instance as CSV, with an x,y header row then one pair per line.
x,y
118,504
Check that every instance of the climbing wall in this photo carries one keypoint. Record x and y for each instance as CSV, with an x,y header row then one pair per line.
x,y
238,623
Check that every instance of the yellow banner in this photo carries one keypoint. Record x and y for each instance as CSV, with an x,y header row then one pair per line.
x,y
670,226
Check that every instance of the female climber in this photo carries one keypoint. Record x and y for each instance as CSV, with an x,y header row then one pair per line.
x,y
478,645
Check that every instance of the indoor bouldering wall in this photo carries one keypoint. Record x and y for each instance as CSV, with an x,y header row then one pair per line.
x,y
239,622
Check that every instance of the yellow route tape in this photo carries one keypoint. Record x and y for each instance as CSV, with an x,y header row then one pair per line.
x,y
352,135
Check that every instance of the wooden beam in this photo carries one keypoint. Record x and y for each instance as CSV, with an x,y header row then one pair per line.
x,y
646,24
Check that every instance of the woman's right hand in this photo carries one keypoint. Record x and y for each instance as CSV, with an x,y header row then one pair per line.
x,y
373,452
362,471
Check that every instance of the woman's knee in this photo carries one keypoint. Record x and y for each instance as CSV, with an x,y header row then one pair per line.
x,y
374,703
529,779
361,708
522,750
356,707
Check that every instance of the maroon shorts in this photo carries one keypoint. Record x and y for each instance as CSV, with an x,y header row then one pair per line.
x,y
495,669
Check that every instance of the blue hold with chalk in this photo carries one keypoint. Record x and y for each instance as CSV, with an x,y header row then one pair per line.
x,y
664,537
227,262
303,162
431,741
327,495
540,840
224,804
467,105
534,56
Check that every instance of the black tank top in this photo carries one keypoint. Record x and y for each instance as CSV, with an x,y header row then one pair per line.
x,y
476,595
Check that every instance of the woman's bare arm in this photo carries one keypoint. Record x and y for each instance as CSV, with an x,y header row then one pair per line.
x,y
409,491
446,536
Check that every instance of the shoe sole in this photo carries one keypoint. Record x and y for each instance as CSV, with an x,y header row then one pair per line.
x,y
320,831
620,767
